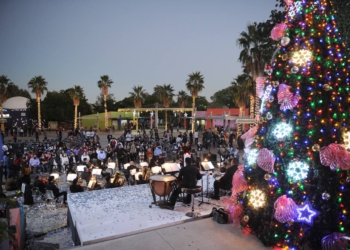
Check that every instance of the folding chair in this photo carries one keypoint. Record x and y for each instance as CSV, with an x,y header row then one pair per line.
x,y
37,195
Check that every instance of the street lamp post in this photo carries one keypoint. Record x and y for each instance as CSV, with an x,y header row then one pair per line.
x,y
185,121
151,120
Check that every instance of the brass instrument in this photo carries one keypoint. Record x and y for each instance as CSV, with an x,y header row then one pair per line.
x,y
118,179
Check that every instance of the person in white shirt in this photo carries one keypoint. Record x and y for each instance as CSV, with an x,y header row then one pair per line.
x,y
85,155
64,161
128,137
195,135
101,157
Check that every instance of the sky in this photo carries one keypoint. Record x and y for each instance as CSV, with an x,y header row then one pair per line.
x,y
135,42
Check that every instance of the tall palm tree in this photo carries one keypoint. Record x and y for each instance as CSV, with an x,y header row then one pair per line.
x,y
182,98
104,83
248,85
38,85
4,84
256,52
240,90
138,95
166,94
195,84
76,93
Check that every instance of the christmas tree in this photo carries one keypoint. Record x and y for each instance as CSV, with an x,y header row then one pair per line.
x,y
293,191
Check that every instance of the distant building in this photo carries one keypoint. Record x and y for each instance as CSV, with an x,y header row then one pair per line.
x,y
15,112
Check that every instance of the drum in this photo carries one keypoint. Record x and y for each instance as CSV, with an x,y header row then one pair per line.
x,y
162,185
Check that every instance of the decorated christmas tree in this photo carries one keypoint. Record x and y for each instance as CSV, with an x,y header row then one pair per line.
x,y
293,191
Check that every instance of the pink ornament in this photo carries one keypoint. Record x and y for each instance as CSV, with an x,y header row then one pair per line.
x,y
266,160
335,241
286,98
234,208
250,133
248,142
278,32
260,85
288,2
239,182
285,209
335,156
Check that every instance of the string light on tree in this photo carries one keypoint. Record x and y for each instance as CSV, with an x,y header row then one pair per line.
x,y
294,9
301,57
297,171
306,213
257,198
253,154
282,130
346,138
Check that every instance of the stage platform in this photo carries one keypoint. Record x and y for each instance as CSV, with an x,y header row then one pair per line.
x,y
106,214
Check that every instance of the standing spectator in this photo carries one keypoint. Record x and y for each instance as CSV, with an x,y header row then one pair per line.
x,y
195,135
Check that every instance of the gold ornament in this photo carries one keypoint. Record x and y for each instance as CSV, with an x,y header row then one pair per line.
x,y
257,198
275,84
245,218
316,148
284,57
267,177
326,87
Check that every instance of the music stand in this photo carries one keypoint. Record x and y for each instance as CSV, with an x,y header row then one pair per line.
x,y
156,169
71,177
96,171
111,165
80,168
55,175
171,167
143,164
207,166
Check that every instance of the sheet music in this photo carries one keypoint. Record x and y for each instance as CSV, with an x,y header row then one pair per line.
x,y
111,165
171,167
80,168
144,164
207,165
96,171
156,169
71,177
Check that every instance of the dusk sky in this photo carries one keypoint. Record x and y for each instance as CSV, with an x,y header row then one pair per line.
x,y
135,42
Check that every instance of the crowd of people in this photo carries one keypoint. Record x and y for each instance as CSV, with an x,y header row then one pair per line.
x,y
83,148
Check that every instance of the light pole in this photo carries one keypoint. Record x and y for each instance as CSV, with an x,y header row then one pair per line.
x,y
185,121
151,120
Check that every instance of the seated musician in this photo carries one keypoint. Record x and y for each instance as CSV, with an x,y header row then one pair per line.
x,y
108,182
75,187
52,186
131,167
160,161
225,182
10,184
86,175
153,162
144,176
189,175
38,183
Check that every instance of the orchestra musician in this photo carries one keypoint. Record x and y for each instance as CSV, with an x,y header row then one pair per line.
x,y
52,186
225,182
189,175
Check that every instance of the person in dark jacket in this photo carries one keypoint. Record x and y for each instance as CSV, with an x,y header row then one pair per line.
x,y
51,186
225,182
75,187
38,183
108,182
189,175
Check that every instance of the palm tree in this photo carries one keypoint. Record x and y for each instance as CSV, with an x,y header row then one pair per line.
x,y
182,98
195,84
104,84
38,84
76,94
256,52
165,94
240,90
246,80
4,84
138,95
